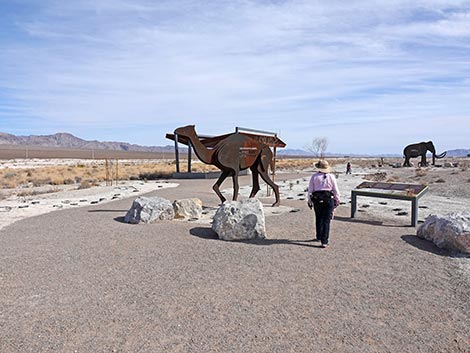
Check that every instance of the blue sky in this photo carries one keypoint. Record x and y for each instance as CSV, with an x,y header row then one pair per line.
x,y
371,76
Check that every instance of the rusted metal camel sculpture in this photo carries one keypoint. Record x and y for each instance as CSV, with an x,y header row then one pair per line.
x,y
231,155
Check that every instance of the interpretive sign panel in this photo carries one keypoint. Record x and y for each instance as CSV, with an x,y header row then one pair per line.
x,y
398,191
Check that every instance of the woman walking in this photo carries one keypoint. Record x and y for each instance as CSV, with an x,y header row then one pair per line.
x,y
323,196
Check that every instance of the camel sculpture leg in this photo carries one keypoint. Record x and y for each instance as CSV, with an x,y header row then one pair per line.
x,y
264,174
219,182
260,167
235,185
255,176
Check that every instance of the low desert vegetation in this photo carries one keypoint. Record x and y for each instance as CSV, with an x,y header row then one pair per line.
x,y
88,173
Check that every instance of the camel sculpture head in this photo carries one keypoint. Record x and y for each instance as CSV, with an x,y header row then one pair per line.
x,y
185,130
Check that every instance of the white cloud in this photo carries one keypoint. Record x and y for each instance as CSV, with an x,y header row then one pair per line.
x,y
266,65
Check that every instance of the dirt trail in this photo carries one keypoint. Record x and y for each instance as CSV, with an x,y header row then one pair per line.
x,y
82,280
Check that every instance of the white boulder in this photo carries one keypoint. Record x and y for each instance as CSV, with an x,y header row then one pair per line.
x,y
451,231
150,210
188,208
239,220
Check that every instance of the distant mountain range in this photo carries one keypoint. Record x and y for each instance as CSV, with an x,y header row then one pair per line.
x,y
69,141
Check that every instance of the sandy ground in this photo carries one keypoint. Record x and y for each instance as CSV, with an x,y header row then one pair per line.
x,y
438,200
79,279
15,208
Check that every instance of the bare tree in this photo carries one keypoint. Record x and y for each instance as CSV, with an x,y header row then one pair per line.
x,y
318,146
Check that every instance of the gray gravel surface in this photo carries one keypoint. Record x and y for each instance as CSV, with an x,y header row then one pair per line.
x,y
81,280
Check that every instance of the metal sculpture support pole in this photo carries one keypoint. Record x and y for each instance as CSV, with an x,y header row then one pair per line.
x,y
117,171
414,212
273,171
106,166
177,155
189,156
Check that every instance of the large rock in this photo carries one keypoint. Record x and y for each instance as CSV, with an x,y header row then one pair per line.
x,y
150,210
450,232
188,208
237,220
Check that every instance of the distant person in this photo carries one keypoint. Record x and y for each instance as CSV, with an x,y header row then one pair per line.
x,y
348,168
324,197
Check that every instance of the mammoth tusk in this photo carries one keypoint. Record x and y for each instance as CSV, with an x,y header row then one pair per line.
x,y
442,155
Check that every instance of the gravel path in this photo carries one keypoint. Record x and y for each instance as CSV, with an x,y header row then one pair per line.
x,y
81,280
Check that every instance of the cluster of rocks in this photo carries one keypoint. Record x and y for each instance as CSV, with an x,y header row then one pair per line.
x,y
154,209
233,220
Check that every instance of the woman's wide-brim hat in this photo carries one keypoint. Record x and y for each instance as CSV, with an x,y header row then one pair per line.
x,y
323,166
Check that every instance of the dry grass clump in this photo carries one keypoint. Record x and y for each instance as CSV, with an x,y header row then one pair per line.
x,y
380,176
3,195
31,192
419,173
393,179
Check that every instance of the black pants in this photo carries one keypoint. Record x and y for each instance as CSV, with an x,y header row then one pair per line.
x,y
323,212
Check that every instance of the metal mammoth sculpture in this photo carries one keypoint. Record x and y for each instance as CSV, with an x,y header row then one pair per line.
x,y
420,149
231,155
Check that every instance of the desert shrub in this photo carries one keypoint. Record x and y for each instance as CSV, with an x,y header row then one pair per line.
x,y
380,176
9,175
57,181
393,179
85,184
41,181
154,175
31,192
420,172
8,184
88,183
27,192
